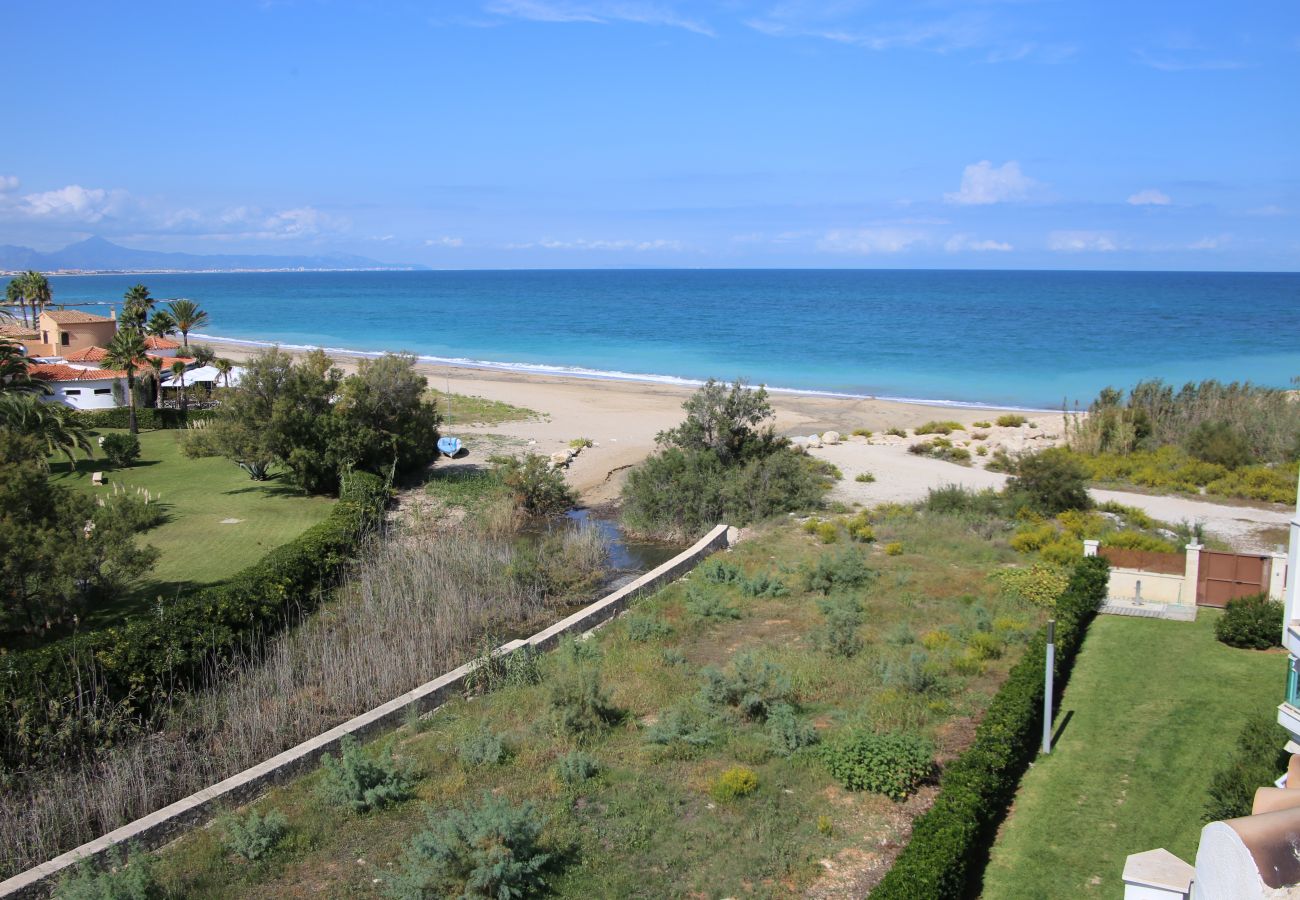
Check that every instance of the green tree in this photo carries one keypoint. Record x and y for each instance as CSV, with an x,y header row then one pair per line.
x,y
14,296
14,375
53,425
126,351
36,288
153,371
160,324
1051,482
202,354
224,367
178,375
724,420
188,317
137,306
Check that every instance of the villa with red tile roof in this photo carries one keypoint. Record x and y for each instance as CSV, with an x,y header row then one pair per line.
x,y
63,331
81,387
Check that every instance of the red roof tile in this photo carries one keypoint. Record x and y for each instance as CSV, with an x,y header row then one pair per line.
x,y
60,372
153,342
90,354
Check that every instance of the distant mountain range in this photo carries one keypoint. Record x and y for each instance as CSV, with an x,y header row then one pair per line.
x,y
98,255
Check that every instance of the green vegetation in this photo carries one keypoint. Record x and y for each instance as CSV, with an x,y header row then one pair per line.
x,y
255,835
864,478
624,804
724,462
1230,440
1050,482
941,448
897,432
945,427
1134,762
1260,757
944,856
464,409
893,764
121,450
734,783
1011,420
359,783
537,488
121,880
1252,623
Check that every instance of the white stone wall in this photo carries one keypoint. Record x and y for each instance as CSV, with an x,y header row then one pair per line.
x,y
97,394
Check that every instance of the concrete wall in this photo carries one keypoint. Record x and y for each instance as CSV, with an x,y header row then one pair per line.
x,y
157,828
1156,587
81,394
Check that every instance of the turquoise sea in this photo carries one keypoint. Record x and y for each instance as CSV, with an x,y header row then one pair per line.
x,y
1028,339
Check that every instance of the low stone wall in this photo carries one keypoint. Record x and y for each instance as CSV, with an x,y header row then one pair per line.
x,y
1157,587
159,827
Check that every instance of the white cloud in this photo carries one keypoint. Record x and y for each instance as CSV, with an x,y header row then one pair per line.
x,y
959,243
982,184
597,12
1149,197
1210,243
870,241
1081,242
584,244
444,241
8,183
73,203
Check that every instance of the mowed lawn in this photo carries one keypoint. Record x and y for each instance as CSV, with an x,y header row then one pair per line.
x,y
1154,710
218,519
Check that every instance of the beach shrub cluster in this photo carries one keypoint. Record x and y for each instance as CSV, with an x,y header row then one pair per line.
x,y
536,488
1173,468
947,426
1259,760
1050,482
951,840
724,462
85,690
1011,420
320,425
941,448
1252,623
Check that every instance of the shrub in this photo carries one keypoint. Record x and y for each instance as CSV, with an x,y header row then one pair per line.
x,y
1040,585
862,432
133,880
717,571
254,836
786,732
536,488
945,427
846,569
1252,623
580,705
950,841
491,850
1051,482
708,604
121,450
736,782
864,478
955,500
838,636
750,685
859,528
1221,444
897,432
576,767
763,585
147,418
645,628
1259,759
984,645
1011,420
914,674
894,548
827,532
900,635
824,826
580,443
982,424
480,748
892,764
355,780
687,728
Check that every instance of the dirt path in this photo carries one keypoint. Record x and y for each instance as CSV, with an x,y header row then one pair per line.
x,y
902,477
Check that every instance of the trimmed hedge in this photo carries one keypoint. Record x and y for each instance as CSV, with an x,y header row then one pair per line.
x,y
950,843
80,692
146,418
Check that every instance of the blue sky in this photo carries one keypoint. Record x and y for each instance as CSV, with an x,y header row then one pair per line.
x,y
562,133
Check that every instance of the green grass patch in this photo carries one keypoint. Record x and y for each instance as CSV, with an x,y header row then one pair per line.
x,y
218,521
695,697
464,409
1132,768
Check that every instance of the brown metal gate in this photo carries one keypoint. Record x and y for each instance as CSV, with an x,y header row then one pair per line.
x,y
1226,576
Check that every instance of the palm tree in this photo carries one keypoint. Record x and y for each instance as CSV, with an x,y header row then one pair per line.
x,y
126,351
52,424
13,370
137,306
155,373
14,296
160,324
188,317
178,372
202,354
224,366
37,289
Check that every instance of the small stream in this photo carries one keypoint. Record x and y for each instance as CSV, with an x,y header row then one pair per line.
x,y
625,554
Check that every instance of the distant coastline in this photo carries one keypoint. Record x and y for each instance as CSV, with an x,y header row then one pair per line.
x,y
75,273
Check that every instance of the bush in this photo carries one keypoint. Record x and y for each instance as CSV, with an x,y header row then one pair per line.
x,y
846,569
1011,420
915,673
786,732
147,418
490,851
1220,444
687,728
1040,585
481,748
864,478
1252,623
1051,482
861,432
255,835
894,548
576,767
897,432
892,764
717,571
536,488
644,628
355,780
581,707
708,604
1259,759
955,500
764,585
121,449
736,782
950,842
838,636
945,427
120,881
580,443
750,685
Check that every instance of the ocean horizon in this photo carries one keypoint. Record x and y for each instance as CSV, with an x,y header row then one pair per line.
x,y
1034,339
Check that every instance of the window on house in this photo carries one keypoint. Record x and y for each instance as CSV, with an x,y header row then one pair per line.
x,y
45,337
72,392
103,390
64,338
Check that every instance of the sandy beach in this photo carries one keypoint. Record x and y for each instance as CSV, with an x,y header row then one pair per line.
x,y
623,417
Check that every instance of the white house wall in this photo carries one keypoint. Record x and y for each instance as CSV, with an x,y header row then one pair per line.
x,y
82,394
